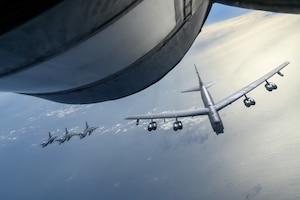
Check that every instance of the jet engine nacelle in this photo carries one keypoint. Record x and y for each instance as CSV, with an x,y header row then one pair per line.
x,y
152,126
270,86
177,125
249,102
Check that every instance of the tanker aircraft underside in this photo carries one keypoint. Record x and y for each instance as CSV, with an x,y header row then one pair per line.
x,y
107,47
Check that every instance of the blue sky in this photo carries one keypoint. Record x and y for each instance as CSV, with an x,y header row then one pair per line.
x,y
220,12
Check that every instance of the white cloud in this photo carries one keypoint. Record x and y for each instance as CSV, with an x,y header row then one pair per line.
x,y
117,184
60,113
31,119
161,178
149,159
3,137
12,138
8,137
68,179
118,130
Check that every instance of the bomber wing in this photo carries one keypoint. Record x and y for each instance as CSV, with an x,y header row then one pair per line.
x,y
175,114
242,92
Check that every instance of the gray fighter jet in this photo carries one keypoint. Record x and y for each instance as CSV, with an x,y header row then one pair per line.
x,y
64,138
70,135
49,141
87,131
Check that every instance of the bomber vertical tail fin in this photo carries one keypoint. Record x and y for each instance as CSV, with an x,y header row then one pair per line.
x,y
198,88
200,81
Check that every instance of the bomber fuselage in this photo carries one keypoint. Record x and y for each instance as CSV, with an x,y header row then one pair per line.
x,y
213,115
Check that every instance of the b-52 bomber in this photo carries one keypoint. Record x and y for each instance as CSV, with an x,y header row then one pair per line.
x,y
49,141
211,109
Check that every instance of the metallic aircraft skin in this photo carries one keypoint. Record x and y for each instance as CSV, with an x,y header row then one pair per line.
x,y
49,141
70,135
64,138
101,44
213,115
61,140
87,131
210,108
288,6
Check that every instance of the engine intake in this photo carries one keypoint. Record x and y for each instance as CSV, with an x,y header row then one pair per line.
x,y
270,86
152,126
177,125
248,101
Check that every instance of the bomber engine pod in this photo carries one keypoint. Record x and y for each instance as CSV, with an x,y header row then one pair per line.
x,y
270,86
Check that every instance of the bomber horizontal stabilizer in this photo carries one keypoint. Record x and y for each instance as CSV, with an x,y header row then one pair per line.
x,y
195,89
198,88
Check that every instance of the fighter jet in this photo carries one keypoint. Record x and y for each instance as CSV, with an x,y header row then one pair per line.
x,y
70,135
87,131
64,138
49,141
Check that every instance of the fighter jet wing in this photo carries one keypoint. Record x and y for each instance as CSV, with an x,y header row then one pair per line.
x,y
235,96
175,114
